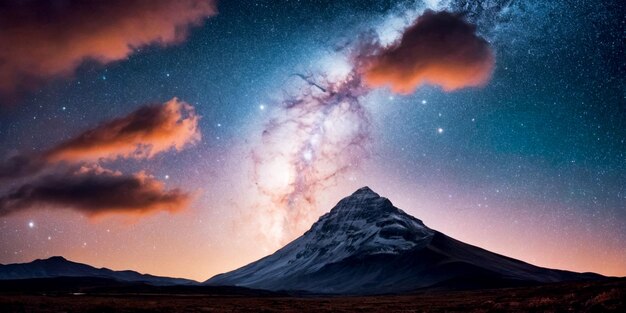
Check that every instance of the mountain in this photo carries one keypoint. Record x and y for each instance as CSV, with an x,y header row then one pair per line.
x,y
365,245
60,267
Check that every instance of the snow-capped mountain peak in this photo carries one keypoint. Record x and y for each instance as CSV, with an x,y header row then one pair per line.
x,y
365,245
363,223
365,191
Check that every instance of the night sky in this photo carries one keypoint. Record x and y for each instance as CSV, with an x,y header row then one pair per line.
x,y
188,138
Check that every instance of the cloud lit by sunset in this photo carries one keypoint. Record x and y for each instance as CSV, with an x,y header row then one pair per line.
x,y
36,48
141,134
440,49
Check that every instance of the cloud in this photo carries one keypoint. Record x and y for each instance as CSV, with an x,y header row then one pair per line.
x,y
141,134
95,191
145,132
440,48
44,39
20,166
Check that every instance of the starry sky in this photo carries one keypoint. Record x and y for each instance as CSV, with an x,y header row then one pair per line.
x,y
189,138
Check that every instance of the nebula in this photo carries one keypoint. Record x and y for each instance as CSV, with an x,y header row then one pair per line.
x,y
310,140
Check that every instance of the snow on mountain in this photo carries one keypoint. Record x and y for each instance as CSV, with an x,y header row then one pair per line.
x,y
365,245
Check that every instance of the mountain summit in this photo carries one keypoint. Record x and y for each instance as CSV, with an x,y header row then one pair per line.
x,y
365,245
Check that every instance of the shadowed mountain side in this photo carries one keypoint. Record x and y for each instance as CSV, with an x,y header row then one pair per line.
x,y
365,245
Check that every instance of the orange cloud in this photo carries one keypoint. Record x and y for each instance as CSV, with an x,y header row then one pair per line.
x,y
141,134
441,49
43,39
95,191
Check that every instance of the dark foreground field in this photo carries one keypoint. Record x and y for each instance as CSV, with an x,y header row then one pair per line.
x,y
604,296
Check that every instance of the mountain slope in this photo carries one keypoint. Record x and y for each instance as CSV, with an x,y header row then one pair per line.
x,y
60,267
365,245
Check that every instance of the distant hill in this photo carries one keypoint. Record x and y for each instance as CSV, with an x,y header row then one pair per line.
x,y
60,267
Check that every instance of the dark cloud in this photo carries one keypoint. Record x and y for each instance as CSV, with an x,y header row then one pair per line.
x,y
20,165
44,39
143,133
95,191
440,48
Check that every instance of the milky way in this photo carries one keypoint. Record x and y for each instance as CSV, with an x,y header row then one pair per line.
x,y
312,138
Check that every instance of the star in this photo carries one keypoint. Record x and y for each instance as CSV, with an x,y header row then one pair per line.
x,y
31,224
440,130
262,107
308,155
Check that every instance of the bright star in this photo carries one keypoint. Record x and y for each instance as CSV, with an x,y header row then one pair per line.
x,y
262,107
308,155
31,224
423,101
440,130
